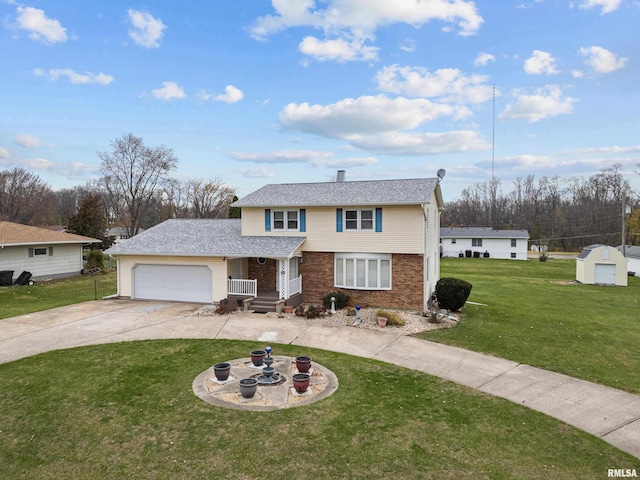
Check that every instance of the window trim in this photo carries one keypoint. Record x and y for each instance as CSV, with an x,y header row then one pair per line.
x,y
476,242
358,219
514,242
37,251
285,220
366,257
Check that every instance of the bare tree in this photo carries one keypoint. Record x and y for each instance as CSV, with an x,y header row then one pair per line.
x,y
209,198
23,196
133,175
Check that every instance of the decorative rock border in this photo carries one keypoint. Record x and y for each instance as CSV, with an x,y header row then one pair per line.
x,y
226,393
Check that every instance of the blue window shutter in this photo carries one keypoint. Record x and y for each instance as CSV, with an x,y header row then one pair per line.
x,y
338,219
303,220
378,219
267,219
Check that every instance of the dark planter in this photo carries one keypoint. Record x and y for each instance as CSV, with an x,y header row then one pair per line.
x,y
301,382
476,254
303,364
222,371
257,357
248,387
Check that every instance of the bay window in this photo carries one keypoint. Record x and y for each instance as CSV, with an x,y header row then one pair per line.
x,y
363,271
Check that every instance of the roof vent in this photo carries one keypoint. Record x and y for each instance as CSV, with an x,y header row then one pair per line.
x,y
340,176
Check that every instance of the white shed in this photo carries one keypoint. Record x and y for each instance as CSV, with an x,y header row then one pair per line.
x,y
633,259
601,265
483,242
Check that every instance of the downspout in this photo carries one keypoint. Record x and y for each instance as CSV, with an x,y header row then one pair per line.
x,y
425,271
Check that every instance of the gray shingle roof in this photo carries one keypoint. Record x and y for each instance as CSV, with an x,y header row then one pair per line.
x,y
630,250
205,237
378,192
481,232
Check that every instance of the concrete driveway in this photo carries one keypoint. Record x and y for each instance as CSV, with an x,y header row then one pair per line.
x,y
610,414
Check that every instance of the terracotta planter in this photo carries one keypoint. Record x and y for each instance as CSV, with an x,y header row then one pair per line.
x,y
301,382
248,387
257,357
382,321
222,371
303,364
288,309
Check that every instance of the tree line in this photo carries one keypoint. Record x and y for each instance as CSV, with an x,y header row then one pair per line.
x,y
560,214
136,191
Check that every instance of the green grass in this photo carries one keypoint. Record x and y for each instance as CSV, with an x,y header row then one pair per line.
x,y
127,411
20,300
535,315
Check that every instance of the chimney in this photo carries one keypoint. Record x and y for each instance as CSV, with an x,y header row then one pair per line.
x,y
340,176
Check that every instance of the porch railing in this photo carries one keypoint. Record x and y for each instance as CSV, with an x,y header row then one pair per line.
x,y
295,286
238,286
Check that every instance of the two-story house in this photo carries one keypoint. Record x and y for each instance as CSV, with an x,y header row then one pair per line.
x,y
376,240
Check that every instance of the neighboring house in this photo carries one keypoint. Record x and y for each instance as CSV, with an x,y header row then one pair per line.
x,y
375,240
484,242
44,253
120,233
633,258
601,265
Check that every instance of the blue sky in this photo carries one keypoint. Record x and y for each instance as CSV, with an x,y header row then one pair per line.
x,y
259,91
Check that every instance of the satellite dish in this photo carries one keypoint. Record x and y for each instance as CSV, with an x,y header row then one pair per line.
x,y
441,173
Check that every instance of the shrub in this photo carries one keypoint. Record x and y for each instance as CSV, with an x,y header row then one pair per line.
x,y
312,312
225,307
300,310
95,259
452,293
392,317
342,299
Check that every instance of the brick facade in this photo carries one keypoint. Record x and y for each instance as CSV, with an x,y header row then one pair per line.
x,y
407,282
264,274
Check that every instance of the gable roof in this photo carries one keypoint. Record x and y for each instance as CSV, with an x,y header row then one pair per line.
x,y
415,191
481,232
18,234
205,237
632,251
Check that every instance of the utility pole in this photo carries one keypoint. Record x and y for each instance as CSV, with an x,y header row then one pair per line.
x,y
624,211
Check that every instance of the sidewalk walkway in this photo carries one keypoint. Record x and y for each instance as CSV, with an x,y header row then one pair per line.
x,y
612,415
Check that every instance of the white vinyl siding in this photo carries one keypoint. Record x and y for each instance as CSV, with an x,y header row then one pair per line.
x,y
363,271
59,260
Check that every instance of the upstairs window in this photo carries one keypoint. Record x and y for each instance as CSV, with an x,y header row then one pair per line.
x,y
358,219
285,220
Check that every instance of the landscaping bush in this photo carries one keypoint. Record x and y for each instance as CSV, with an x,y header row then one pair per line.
x,y
300,310
95,259
342,299
392,318
225,307
309,311
452,293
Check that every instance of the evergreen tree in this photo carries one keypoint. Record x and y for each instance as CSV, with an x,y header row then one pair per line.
x,y
91,221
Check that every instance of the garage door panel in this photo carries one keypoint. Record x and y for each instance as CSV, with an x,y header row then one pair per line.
x,y
183,283
605,274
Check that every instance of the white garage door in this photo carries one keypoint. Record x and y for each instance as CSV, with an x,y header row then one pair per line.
x,y
605,274
182,283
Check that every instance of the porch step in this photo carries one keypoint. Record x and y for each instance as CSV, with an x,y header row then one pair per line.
x,y
263,305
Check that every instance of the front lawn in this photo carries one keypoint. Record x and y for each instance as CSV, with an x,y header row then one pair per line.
x,y
20,300
127,410
535,314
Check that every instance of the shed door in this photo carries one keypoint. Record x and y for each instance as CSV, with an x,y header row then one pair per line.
x,y
181,283
605,274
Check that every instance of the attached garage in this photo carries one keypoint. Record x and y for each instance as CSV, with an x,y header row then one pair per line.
x,y
181,283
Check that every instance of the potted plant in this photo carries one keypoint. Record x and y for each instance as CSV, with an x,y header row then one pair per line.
x,y
303,364
257,357
301,382
248,387
382,321
222,371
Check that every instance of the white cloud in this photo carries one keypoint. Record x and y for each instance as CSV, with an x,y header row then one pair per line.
x,y
348,23
483,59
310,157
26,140
71,170
601,60
4,153
545,102
231,95
540,63
146,30
340,50
40,27
605,150
606,6
450,84
258,172
169,91
402,143
408,45
75,78
368,115
577,73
